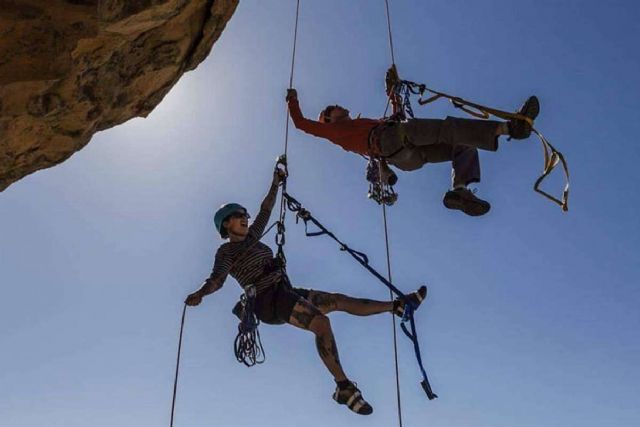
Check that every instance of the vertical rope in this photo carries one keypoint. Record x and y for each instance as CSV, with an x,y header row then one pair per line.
x,y
175,381
283,210
393,58
386,239
293,63
393,318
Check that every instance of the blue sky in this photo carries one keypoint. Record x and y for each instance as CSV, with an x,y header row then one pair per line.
x,y
532,316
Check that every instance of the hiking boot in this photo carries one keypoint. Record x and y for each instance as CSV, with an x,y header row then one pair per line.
x,y
352,397
414,299
464,200
521,129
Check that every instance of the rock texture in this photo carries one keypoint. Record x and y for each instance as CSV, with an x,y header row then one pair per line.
x,y
70,68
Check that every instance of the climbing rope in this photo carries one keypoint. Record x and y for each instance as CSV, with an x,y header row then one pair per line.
x,y
175,380
248,345
393,319
282,160
388,254
293,63
393,57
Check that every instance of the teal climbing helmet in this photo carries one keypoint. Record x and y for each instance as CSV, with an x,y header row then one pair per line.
x,y
225,212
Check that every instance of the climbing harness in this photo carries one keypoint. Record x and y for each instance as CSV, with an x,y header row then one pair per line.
x,y
281,167
552,157
302,214
380,176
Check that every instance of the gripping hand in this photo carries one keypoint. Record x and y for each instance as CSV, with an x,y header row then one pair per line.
x,y
291,94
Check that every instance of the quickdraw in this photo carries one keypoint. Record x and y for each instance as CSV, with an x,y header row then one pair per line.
x,y
380,189
403,90
281,165
301,213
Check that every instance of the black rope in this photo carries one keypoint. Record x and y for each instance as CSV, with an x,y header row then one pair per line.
x,y
248,345
386,237
175,381
393,318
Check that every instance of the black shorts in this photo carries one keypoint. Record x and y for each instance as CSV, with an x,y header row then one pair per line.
x,y
274,306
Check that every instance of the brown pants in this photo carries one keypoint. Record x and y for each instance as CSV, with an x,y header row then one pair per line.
x,y
416,142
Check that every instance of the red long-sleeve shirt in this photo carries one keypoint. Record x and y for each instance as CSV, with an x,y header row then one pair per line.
x,y
351,135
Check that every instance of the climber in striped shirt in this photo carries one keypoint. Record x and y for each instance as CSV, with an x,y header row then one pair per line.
x,y
251,262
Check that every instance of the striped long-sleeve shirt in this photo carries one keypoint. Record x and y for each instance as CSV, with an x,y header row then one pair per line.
x,y
248,261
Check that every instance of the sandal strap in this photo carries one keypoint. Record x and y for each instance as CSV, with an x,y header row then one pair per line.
x,y
359,405
354,401
355,396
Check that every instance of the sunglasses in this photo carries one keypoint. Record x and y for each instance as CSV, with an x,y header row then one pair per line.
x,y
240,215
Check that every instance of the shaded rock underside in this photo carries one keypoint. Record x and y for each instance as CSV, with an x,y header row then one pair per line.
x,y
70,68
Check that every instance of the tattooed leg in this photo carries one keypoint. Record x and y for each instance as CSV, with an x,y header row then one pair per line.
x,y
306,316
327,302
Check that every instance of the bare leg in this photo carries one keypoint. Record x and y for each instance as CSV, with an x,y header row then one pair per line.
x,y
327,302
306,316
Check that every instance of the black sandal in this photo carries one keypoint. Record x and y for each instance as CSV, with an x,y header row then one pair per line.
x,y
352,397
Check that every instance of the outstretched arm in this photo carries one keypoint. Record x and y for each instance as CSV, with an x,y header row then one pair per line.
x,y
260,223
221,268
309,126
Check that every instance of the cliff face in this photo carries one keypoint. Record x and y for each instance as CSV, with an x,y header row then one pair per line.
x,y
70,68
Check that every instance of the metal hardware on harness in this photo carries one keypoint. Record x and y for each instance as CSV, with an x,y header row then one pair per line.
x,y
301,213
552,157
280,241
281,165
247,345
379,189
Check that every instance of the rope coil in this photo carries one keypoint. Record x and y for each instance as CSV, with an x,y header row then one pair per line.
x,y
248,345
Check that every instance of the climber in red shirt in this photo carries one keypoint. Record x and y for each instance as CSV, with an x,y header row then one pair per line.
x,y
410,144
